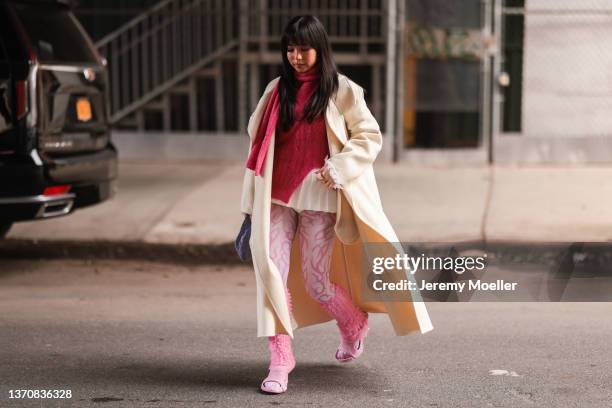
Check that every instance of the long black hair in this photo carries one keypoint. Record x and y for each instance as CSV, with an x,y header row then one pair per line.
x,y
306,30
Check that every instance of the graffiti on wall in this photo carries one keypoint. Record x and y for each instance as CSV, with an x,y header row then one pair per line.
x,y
433,42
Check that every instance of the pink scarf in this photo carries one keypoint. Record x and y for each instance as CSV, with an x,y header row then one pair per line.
x,y
264,134
299,150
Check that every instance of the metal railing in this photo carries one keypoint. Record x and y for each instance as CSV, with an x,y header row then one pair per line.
x,y
346,21
161,47
175,39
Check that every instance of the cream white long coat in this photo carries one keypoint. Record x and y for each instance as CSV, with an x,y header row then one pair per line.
x,y
354,140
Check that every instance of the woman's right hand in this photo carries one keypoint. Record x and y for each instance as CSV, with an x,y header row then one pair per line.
x,y
324,174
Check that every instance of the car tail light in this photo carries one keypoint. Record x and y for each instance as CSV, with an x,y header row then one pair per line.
x,y
22,98
56,190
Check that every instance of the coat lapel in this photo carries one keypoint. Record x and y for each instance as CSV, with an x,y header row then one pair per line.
x,y
333,117
257,115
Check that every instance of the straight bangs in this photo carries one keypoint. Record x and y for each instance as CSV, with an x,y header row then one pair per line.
x,y
297,37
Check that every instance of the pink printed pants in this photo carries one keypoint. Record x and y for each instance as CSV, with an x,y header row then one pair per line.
x,y
316,232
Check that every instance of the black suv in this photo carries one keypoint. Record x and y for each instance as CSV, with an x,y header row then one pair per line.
x,y
55,148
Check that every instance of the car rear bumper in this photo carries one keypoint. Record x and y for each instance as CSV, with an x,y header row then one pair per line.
x,y
39,206
34,207
92,179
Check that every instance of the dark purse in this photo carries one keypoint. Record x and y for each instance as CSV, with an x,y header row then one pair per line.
x,y
242,240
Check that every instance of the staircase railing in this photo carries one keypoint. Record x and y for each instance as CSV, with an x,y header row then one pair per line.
x,y
155,51
163,46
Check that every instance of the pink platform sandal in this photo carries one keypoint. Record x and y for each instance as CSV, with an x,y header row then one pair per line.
x,y
352,322
352,344
282,361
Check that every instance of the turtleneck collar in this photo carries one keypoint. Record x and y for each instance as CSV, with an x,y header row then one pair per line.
x,y
311,75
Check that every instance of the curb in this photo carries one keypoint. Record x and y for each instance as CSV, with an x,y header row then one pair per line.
x,y
185,254
594,253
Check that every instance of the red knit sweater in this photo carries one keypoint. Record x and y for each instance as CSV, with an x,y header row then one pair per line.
x,y
302,148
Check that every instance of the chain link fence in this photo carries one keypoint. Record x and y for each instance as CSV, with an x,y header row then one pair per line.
x,y
559,61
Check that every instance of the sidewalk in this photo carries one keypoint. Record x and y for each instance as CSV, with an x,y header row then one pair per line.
x,y
198,204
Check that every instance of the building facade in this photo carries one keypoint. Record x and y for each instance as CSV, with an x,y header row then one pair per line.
x,y
469,81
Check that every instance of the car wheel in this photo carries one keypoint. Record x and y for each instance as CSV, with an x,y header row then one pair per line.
x,y
4,229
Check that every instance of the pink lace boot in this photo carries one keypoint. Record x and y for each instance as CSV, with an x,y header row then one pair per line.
x,y
352,322
282,361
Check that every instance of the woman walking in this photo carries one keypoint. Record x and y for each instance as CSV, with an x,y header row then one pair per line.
x,y
310,191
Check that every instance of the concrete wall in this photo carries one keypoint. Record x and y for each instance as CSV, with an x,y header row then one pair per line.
x,y
181,146
187,146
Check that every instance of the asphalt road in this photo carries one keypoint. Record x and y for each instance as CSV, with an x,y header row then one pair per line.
x,y
135,334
